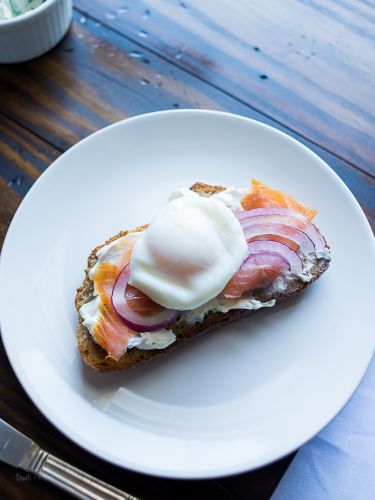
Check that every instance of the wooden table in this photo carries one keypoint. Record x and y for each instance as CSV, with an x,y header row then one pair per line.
x,y
304,66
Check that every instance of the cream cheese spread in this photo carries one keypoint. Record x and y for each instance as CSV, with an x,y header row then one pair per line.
x,y
111,252
230,196
222,304
154,340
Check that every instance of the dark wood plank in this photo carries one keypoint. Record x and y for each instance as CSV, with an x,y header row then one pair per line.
x,y
96,77
260,484
306,63
23,156
9,201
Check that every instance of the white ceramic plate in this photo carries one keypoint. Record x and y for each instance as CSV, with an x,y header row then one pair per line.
x,y
235,399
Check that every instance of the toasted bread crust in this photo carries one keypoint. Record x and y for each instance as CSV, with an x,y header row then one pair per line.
x,y
96,357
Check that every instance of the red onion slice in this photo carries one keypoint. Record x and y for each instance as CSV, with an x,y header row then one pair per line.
x,y
270,211
294,238
258,271
291,257
265,262
284,216
145,315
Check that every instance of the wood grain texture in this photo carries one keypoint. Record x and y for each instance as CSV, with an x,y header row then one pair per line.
x,y
9,201
23,155
308,64
97,76
260,484
302,67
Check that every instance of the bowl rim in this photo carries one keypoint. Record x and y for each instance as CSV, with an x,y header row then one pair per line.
x,y
22,18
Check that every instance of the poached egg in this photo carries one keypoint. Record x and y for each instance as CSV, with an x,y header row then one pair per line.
x,y
189,252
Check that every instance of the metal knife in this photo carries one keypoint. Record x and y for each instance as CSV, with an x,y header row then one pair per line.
x,y
20,451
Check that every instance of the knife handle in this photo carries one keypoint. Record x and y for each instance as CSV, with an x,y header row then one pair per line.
x,y
76,482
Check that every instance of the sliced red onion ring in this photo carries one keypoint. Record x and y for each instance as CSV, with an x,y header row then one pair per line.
x,y
291,257
133,319
266,258
270,211
284,216
297,237
287,220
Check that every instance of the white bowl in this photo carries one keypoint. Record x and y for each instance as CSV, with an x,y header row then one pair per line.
x,y
34,33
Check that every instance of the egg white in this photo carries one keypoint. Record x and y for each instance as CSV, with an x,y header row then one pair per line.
x,y
190,251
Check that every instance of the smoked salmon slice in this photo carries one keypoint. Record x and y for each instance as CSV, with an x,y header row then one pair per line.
x,y
263,196
258,271
110,332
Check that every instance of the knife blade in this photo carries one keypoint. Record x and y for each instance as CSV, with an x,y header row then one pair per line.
x,y
20,451
16,449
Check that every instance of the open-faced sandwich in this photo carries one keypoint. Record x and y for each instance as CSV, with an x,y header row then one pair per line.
x,y
212,254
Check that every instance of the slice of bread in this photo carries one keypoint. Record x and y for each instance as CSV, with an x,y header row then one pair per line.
x,y
96,356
